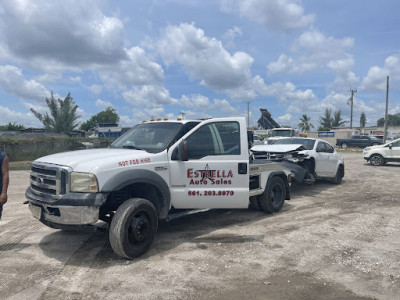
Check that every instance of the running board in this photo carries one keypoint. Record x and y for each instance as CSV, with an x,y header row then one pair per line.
x,y
180,214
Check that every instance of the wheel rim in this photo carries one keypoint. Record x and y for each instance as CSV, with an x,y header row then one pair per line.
x,y
376,160
139,229
276,195
344,146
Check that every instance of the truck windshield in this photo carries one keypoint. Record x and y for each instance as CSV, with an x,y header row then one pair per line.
x,y
151,137
284,133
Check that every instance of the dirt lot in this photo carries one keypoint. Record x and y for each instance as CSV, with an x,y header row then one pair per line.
x,y
329,242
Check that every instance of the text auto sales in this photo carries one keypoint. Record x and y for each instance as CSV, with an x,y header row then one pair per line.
x,y
213,177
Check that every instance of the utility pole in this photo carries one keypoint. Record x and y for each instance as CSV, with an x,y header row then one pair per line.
x,y
351,105
386,111
183,115
248,114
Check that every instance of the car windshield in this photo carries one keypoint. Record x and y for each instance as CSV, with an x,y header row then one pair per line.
x,y
307,143
151,137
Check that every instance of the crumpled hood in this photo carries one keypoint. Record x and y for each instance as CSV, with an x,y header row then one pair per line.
x,y
277,148
86,160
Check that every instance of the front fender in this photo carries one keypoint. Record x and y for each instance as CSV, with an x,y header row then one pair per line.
x,y
128,177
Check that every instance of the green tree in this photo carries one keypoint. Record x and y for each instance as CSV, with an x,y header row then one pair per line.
x,y
363,120
12,127
305,124
393,120
63,116
337,119
109,115
327,119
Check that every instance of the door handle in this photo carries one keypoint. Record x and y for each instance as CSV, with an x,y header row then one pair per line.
x,y
242,168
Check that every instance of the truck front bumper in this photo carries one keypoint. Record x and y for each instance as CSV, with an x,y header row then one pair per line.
x,y
72,209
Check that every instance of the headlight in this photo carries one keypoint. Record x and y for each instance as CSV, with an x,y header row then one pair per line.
x,y
83,183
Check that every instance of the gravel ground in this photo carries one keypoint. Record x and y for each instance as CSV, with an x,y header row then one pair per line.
x,y
329,242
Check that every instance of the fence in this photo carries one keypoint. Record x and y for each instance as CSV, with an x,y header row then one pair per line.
x,y
31,149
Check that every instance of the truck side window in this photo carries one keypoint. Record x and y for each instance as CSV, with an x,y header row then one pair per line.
x,y
220,138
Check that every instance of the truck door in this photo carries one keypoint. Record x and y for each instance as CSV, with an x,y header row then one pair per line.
x,y
215,174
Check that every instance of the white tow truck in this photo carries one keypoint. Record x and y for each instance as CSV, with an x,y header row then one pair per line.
x,y
155,171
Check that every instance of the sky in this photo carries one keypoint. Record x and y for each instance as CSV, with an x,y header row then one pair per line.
x,y
202,58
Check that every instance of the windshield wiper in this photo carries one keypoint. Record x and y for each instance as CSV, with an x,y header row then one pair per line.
x,y
131,147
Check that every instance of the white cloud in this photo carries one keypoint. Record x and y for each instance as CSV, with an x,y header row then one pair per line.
x,y
138,69
27,119
103,104
204,58
230,35
283,15
285,119
376,76
203,105
313,50
13,82
45,34
195,101
149,96
95,88
285,92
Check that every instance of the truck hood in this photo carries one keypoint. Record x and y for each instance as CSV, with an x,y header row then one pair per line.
x,y
277,148
86,160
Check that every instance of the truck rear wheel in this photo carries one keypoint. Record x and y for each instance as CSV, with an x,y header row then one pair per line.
x,y
133,228
345,145
273,198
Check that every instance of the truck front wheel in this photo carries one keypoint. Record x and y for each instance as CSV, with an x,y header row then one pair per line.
x,y
273,198
133,228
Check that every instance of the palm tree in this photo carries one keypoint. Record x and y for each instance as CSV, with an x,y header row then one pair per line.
x,y
63,116
305,124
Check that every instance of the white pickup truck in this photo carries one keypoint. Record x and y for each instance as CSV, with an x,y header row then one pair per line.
x,y
151,172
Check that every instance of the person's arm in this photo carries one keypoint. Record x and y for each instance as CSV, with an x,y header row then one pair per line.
x,y
6,180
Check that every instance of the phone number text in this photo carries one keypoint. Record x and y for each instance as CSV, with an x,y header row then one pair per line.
x,y
211,193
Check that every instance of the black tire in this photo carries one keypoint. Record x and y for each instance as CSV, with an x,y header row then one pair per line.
x,y
344,145
133,228
272,199
376,160
339,175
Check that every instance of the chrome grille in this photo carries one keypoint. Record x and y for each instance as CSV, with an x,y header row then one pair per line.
x,y
49,180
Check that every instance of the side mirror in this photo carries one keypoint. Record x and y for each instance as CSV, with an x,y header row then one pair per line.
x,y
183,151
390,146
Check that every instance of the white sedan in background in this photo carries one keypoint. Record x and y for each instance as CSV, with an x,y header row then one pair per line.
x,y
381,154
308,159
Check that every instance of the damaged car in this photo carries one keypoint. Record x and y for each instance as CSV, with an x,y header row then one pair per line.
x,y
308,159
